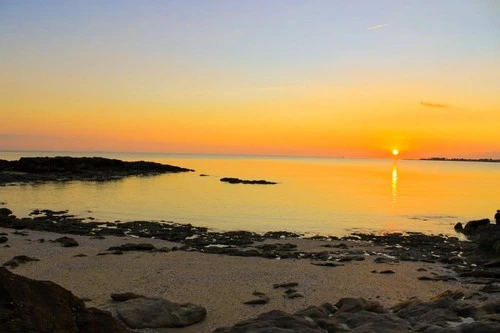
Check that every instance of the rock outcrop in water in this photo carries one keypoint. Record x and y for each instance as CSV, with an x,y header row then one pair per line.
x,y
484,233
232,180
64,168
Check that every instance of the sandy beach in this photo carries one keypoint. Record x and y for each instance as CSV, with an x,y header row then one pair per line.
x,y
220,283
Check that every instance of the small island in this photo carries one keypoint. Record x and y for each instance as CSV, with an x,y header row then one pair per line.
x,y
65,168
490,160
232,180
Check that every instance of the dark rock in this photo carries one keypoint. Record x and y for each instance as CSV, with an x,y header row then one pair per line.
x,y
437,278
387,272
17,260
145,247
285,285
322,311
472,226
5,211
231,180
3,239
350,258
81,255
274,321
66,242
482,273
489,239
339,246
122,297
490,289
326,264
31,306
257,301
293,294
63,168
383,260
158,313
357,304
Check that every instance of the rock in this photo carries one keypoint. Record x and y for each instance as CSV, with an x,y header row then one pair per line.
x,y
387,272
17,260
273,321
257,301
66,241
158,313
231,180
31,306
122,297
357,304
472,226
5,211
350,258
489,239
293,294
3,239
490,289
64,168
459,227
285,285
326,264
133,247
437,278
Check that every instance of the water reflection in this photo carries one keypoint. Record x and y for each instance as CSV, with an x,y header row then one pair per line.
x,y
394,181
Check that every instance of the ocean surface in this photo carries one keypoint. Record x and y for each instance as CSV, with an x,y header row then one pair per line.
x,y
325,196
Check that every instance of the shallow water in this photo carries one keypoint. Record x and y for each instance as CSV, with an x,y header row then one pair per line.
x,y
331,196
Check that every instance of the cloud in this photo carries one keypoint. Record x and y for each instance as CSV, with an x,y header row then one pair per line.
x,y
434,105
378,26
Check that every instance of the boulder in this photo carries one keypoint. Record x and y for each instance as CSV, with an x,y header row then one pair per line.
x,y
17,260
31,306
5,211
66,241
273,321
489,239
472,226
159,313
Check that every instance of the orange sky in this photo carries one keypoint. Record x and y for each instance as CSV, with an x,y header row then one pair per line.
x,y
139,79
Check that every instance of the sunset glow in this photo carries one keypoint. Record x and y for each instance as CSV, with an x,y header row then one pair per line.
x,y
395,152
337,78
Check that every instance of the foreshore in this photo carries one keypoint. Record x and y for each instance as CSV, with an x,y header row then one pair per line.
x,y
386,270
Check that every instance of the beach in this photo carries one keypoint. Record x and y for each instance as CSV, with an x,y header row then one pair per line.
x,y
218,282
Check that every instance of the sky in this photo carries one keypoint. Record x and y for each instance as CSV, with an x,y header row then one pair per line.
x,y
262,77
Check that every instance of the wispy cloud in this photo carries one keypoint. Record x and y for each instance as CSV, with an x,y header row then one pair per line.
x,y
378,26
434,105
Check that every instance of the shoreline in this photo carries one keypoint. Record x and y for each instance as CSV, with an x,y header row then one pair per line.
x,y
188,276
388,269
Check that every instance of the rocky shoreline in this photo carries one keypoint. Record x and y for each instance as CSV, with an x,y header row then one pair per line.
x,y
64,168
465,263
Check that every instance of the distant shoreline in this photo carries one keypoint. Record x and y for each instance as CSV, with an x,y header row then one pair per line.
x,y
487,160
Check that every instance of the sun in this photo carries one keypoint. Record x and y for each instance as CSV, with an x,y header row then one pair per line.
x,y
395,152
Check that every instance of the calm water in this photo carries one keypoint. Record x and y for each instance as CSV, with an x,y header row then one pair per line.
x,y
314,195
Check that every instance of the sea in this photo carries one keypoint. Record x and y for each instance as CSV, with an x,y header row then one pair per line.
x,y
313,196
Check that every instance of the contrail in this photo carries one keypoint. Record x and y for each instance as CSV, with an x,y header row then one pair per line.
x,y
378,26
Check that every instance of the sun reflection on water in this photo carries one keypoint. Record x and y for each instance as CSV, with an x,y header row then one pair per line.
x,y
394,181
